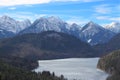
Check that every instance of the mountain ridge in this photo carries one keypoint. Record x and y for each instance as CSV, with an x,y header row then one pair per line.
x,y
9,24
91,33
95,34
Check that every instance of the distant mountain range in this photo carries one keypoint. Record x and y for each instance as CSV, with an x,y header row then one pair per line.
x,y
10,27
91,33
9,24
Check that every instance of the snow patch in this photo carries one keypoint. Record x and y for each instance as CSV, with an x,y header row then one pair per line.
x,y
89,40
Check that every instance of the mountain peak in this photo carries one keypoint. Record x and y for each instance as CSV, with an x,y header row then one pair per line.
x,y
91,22
50,19
95,33
55,19
6,18
9,24
114,27
115,24
75,26
91,25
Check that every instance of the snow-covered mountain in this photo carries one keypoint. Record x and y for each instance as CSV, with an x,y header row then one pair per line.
x,y
91,32
75,29
50,24
11,25
114,26
45,24
94,33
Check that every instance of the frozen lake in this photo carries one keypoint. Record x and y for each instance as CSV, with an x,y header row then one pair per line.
x,y
73,68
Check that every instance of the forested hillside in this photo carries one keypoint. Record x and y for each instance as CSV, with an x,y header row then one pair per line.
x,y
111,64
8,72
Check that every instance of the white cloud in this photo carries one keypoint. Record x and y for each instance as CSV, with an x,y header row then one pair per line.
x,y
12,8
21,2
26,2
64,0
77,0
116,19
90,0
102,17
103,9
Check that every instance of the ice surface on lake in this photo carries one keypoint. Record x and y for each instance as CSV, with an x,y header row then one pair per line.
x,y
73,68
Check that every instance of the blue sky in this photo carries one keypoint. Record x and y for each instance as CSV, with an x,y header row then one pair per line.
x,y
78,11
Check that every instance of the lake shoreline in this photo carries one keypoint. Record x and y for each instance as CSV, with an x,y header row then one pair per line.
x,y
63,66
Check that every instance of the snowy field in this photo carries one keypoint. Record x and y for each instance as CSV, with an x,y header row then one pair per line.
x,y
73,68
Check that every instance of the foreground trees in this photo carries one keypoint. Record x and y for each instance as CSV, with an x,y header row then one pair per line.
x,y
8,72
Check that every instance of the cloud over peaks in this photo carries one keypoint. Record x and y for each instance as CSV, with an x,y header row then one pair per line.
x,y
25,2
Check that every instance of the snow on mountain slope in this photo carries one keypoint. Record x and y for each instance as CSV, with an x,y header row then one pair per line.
x,y
75,29
94,33
91,32
91,29
114,26
50,24
9,24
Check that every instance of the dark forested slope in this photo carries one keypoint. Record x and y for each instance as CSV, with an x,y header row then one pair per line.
x,y
24,50
45,45
111,64
113,44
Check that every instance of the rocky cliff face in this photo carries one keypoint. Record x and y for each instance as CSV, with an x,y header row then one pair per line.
x,y
111,64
